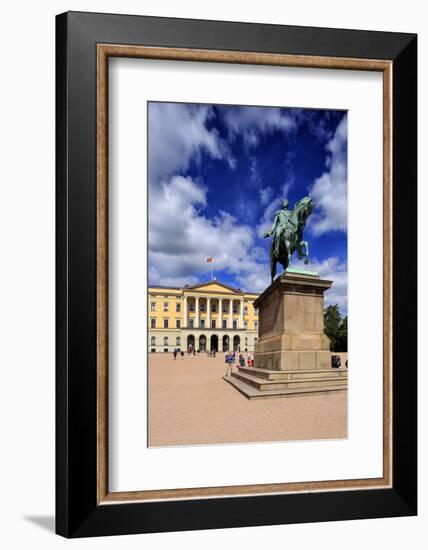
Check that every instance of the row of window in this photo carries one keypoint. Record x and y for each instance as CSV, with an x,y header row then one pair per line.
x,y
201,307
178,341
165,341
201,323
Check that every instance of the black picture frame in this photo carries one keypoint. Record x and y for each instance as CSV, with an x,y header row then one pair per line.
x,y
77,512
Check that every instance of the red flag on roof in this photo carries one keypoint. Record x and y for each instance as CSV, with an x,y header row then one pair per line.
x,y
209,260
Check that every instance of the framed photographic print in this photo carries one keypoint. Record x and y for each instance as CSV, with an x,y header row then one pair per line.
x,y
236,274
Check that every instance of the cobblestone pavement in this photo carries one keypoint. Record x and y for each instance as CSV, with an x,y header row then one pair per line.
x,y
190,404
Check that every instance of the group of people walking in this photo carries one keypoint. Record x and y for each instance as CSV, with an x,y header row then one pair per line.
x,y
230,359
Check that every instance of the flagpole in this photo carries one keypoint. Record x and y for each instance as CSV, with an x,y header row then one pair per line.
x,y
212,270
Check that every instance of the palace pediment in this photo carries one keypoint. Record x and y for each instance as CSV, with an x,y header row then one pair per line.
x,y
214,286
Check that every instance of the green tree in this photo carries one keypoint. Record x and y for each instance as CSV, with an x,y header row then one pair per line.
x,y
332,323
342,337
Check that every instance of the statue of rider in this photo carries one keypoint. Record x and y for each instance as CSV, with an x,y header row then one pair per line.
x,y
283,220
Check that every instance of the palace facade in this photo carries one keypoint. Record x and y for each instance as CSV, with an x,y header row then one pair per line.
x,y
206,316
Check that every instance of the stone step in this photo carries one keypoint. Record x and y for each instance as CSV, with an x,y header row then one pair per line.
x,y
290,374
265,385
252,393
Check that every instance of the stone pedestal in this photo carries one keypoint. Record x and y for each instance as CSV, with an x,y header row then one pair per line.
x,y
291,324
292,355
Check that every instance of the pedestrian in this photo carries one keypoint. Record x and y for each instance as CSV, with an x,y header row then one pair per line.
x,y
182,354
241,360
229,364
175,354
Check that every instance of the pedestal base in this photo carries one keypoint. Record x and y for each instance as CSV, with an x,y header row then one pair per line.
x,y
256,383
292,355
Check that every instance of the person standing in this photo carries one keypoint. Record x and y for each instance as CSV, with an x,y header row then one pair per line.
x,y
227,362
175,354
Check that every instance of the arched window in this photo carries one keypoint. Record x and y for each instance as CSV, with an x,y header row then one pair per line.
x,y
178,341
165,341
153,340
246,341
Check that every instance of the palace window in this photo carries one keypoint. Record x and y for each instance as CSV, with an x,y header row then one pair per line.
x,y
177,307
245,324
152,323
235,324
153,341
246,341
202,323
191,306
165,323
202,307
166,306
152,306
235,307
224,308
165,341
256,324
191,323
224,323
177,323
245,310
178,341
213,323
214,308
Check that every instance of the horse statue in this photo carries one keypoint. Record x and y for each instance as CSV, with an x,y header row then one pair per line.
x,y
287,232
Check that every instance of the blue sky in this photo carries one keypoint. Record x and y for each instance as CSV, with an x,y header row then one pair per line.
x,y
217,174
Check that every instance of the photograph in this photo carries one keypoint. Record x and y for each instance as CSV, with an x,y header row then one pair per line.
x,y
247,273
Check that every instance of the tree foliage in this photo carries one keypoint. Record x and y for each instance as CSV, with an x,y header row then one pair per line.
x,y
336,328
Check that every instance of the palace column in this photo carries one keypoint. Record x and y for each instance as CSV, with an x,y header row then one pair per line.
x,y
209,312
241,311
197,311
220,308
231,313
185,311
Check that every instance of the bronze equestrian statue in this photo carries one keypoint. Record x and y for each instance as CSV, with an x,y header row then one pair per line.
x,y
287,232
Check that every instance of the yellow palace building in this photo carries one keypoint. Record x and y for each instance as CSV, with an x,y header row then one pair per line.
x,y
206,316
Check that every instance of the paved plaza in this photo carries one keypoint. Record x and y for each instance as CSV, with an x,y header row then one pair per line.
x,y
190,404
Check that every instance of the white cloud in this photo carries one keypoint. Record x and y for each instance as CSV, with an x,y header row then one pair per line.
x,y
334,270
178,133
265,195
329,192
181,237
252,122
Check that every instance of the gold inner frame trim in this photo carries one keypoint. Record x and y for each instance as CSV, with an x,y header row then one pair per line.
x,y
104,51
